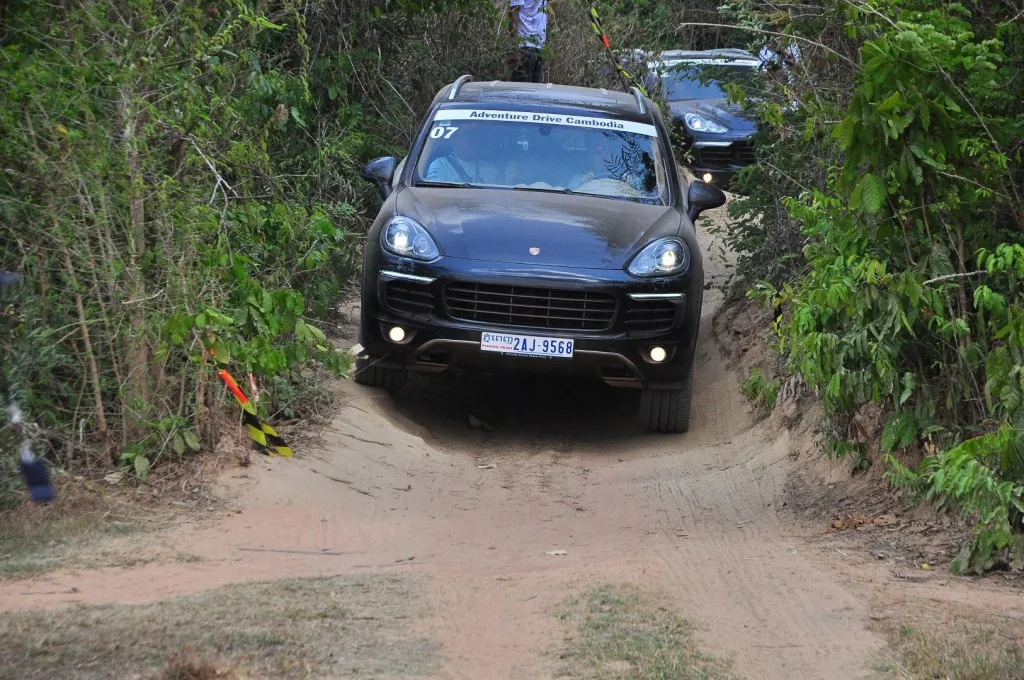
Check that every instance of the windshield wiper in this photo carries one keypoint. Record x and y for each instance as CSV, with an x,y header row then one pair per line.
x,y
457,185
552,190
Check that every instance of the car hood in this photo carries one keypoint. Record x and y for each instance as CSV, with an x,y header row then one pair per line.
x,y
508,226
719,110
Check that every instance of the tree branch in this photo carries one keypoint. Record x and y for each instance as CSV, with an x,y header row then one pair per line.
x,y
97,392
828,49
950,277
220,181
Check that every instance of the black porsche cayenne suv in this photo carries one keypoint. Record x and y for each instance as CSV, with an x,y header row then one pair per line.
x,y
537,227
717,133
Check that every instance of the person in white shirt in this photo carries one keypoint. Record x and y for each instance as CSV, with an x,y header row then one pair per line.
x,y
459,162
774,55
528,21
599,162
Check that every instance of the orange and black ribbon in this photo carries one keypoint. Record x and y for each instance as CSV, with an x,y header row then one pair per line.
x,y
265,437
626,76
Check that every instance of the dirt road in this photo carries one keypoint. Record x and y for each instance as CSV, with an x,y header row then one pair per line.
x,y
407,486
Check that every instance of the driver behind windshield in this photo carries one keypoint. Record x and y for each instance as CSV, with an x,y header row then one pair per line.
x,y
598,162
459,161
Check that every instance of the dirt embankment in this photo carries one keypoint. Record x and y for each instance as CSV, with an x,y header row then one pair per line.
x,y
554,487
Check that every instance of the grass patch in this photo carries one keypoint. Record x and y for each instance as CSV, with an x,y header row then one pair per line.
x,y
952,644
82,529
619,632
185,665
27,551
297,628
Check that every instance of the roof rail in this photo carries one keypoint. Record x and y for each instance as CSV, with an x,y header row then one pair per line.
x,y
457,84
735,51
639,99
719,53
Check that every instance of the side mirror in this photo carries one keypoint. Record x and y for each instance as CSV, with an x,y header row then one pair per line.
x,y
703,196
380,171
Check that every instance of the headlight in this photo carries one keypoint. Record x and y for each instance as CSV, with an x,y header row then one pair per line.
x,y
663,257
699,123
406,237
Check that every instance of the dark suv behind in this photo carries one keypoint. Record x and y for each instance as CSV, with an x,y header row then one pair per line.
x,y
715,133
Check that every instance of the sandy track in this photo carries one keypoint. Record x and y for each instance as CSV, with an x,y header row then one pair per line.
x,y
691,517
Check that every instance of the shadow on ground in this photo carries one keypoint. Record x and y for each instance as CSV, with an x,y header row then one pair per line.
x,y
459,408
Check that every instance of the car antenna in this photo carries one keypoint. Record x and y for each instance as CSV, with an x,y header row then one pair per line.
x,y
457,84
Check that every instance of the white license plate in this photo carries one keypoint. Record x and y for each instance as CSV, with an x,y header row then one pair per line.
x,y
526,345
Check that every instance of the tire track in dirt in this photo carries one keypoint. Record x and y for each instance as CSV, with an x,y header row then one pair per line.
x,y
738,574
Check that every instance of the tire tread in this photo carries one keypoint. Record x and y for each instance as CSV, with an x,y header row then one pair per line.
x,y
667,410
367,373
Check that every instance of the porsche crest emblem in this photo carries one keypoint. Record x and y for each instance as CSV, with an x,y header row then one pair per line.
x,y
535,251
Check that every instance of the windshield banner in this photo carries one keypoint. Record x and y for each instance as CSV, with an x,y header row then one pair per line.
x,y
570,120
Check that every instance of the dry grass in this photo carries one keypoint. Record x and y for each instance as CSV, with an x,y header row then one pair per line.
x,y
186,665
620,632
951,643
86,523
302,628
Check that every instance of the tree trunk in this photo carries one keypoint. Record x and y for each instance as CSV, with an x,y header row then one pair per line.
x,y
137,384
90,356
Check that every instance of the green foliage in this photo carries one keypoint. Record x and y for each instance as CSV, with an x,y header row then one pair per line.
x,y
153,216
761,392
904,285
183,179
982,479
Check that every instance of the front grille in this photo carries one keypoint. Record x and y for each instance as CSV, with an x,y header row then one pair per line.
x,y
716,155
409,297
739,153
745,153
530,307
651,317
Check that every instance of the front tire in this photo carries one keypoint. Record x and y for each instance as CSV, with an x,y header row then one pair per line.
x,y
667,410
368,372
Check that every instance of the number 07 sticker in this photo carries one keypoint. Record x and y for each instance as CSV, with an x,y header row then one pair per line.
x,y
441,131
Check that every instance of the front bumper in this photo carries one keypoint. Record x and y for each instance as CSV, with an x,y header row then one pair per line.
x,y
417,297
712,155
721,160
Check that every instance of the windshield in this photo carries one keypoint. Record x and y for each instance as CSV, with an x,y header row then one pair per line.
x,y
704,81
544,152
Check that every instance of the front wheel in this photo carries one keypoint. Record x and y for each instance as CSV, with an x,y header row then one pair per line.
x,y
367,372
667,410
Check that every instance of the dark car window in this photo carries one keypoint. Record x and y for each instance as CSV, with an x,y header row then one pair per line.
x,y
575,154
698,81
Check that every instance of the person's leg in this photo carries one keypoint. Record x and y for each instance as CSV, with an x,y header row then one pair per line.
x,y
537,75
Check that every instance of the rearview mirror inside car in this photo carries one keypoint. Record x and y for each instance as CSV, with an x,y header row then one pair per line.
x,y
379,171
703,196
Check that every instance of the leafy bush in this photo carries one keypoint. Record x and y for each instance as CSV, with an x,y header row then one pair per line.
x,y
761,392
131,216
907,287
981,478
182,179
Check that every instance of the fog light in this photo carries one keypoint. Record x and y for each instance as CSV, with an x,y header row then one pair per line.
x,y
397,334
708,177
658,354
